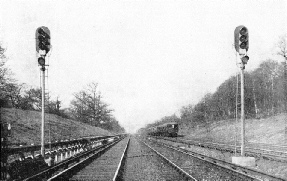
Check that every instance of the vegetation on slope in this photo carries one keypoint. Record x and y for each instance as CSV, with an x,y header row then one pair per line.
x,y
265,108
26,127
86,107
269,130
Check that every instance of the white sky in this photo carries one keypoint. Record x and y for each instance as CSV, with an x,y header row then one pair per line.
x,y
150,58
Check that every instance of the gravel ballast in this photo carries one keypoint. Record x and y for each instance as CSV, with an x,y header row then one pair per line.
x,y
143,164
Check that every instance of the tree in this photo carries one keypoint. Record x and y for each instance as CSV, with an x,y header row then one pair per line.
x,y
13,93
5,77
282,46
268,87
4,71
282,51
33,99
264,95
113,125
88,107
2,51
186,113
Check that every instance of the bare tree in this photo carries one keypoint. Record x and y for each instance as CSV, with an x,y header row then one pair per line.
x,y
88,106
282,46
5,73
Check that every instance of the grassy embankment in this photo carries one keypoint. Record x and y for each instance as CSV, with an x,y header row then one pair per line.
x,y
268,130
26,127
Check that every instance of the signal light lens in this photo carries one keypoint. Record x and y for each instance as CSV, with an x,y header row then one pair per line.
x,y
41,61
243,38
245,59
40,30
43,33
243,45
243,31
41,37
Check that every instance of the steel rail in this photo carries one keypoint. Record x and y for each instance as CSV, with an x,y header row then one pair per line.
x,y
278,156
180,170
63,175
268,152
72,160
227,165
121,163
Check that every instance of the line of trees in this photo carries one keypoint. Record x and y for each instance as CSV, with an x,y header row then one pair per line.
x,y
20,95
87,105
265,95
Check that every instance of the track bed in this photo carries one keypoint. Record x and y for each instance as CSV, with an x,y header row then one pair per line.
x,y
144,164
104,167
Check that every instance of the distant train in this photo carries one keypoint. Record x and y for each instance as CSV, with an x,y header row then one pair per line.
x,y
167,129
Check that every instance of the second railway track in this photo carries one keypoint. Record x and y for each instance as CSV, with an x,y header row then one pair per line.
x,y
264,151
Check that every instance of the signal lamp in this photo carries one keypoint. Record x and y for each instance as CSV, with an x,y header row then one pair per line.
x,y
245,59
41,61
243,30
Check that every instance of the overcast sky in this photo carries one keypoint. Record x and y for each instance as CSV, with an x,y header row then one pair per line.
x,y
150,58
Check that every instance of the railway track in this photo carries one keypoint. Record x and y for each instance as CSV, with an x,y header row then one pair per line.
x,y
118,163
65,169
265,151
252,172
132,159
198,166
144,163
103,165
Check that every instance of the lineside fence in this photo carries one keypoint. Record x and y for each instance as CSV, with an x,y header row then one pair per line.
x,y
23,161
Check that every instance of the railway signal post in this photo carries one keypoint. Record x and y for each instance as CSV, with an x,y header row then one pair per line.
x,y
43,46
241,44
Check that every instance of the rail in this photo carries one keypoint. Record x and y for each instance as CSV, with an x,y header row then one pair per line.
x,y
120,166
80,164
231,166
24,162
250,151
180,170
67,166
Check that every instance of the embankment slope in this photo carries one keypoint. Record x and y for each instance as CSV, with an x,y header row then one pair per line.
x,y
269,130
26,127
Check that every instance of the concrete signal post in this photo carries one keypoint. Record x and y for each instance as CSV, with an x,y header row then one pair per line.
x,y
43,46
241,43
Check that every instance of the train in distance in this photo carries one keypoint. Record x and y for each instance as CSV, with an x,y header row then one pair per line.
x,y
167,129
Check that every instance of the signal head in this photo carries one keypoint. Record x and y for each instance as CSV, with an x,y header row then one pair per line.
x,y
241,38
43,39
